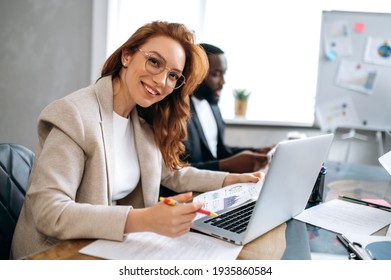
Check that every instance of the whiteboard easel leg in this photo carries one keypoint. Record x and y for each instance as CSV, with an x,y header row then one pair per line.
x,y
353,134
379,138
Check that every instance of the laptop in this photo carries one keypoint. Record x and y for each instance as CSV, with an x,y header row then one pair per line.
x,y
287,186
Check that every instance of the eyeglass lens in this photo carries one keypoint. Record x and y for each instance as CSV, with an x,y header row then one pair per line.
x,y
155,65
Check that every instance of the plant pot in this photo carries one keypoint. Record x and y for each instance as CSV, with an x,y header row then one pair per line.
x,y
240,107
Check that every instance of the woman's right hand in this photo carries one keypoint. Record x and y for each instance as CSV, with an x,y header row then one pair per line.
x,y
164,219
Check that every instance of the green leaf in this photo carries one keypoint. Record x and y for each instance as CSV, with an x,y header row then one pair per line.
x,y
241,94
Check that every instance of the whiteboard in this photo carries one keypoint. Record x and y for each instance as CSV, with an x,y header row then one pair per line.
x,y
354,71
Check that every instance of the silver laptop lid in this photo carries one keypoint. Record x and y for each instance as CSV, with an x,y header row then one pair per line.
x,y
288,183
286,189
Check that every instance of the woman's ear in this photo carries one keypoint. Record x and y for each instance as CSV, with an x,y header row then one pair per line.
x,y
125,59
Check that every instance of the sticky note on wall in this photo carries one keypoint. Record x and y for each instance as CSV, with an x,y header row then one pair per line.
x,y
359,27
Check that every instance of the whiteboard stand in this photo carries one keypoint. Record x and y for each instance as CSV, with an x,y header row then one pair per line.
x,y
352,134
379,139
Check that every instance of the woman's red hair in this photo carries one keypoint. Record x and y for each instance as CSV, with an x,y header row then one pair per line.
x,y
168,118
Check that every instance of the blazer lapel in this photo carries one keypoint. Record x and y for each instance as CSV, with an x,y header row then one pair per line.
x,y
104,94
219,119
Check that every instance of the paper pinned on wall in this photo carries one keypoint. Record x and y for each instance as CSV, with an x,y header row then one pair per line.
x,y
357,76
378,51
335,113
337,40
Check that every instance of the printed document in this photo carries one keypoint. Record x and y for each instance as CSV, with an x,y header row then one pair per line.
x,y
229,196
346,217
152,246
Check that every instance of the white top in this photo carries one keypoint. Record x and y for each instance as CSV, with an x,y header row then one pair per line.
x,y
126,165
208,123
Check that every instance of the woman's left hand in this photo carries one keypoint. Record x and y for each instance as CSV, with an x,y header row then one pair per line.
x,y
234,178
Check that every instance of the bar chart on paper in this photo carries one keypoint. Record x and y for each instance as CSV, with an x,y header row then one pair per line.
x,y
229,196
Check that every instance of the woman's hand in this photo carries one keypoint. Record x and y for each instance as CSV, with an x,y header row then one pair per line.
x,y
234,178
164,219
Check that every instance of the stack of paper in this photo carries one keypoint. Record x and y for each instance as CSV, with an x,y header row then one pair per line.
x,y
152,246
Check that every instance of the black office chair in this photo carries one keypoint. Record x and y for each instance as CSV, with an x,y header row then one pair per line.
x,y
15,166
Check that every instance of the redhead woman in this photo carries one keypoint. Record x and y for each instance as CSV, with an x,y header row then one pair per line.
x,y
105,149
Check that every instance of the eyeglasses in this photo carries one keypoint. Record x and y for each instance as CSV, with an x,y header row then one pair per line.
x,y
156,65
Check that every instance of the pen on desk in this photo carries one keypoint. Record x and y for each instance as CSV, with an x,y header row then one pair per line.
x,y
367,203
172,202
351,247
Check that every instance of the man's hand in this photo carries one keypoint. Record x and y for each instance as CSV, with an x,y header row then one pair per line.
x,y
245,161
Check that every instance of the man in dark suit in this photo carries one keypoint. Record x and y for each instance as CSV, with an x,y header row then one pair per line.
x,y
205,147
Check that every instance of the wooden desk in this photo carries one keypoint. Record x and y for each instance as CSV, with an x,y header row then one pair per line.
x,y
270,246
293,240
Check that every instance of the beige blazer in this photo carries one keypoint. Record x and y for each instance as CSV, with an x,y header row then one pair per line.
x,y
69,194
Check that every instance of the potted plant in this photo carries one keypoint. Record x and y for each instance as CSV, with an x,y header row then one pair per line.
x,y
241,97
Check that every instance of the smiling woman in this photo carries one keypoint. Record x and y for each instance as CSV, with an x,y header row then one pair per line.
x,y
105,149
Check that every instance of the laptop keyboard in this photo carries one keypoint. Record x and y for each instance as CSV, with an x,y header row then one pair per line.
x,y
235,220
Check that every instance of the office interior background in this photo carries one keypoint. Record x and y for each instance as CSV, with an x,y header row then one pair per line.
x,y
50,48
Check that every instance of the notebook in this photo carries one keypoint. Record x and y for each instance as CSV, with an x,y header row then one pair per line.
x,y
291,175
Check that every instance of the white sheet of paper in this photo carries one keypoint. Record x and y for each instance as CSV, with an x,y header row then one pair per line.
x,y
152,246
385,160
228,196
346,217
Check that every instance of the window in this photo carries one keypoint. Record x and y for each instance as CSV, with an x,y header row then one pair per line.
x,y
272,47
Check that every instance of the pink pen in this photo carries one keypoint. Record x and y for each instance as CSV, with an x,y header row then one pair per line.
x,y
172,202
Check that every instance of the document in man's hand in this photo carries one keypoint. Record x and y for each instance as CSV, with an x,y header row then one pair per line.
x,y
152,246
346,217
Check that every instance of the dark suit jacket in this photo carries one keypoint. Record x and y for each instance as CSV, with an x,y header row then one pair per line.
x,y
197,149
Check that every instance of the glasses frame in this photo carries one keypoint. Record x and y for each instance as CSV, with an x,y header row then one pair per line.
x,y
147,55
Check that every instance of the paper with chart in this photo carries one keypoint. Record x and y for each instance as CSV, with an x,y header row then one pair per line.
x,y
378,51
357,76
228,196
335,113
337,40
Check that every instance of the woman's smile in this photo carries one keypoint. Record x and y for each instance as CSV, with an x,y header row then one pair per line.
x,y
150,90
